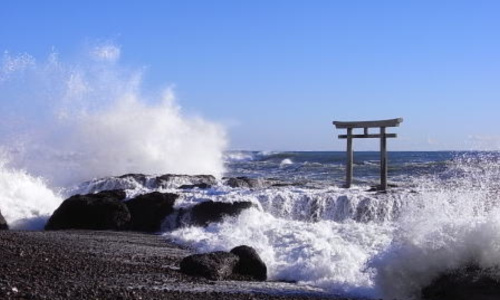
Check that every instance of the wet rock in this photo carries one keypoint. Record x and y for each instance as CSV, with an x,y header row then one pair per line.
x,y
101,211
176,181
214,266
208,212
197,186
243,182
250,264
148,211
140,181
3,223
469,283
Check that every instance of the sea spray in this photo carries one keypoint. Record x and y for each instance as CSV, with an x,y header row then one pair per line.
x,y
71,122
25,201
451,222
63,123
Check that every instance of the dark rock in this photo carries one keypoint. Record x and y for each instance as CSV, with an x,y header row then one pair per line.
x,y
171,180
207,212
3,223
214,266
134,181
469,283
250,263
192,186
148,211
243,182
101,211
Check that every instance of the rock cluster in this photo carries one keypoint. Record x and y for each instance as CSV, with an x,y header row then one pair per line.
x,y
108,210
241,263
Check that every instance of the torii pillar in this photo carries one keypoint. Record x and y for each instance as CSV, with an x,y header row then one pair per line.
x,y
382,135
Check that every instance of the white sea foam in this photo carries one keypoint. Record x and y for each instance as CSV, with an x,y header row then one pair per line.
x,y
286,162
71,122
447,224
25,201
361,243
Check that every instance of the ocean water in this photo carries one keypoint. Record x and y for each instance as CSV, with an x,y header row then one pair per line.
x,y
72,127
441,213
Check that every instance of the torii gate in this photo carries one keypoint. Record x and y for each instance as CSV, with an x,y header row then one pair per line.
x,y
382,124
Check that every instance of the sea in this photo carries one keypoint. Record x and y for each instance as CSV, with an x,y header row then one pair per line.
x,y
441,211
71,126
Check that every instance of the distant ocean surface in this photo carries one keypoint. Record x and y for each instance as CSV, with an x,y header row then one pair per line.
x,y
328,168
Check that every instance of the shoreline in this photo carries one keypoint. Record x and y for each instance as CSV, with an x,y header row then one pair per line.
x,y
83,264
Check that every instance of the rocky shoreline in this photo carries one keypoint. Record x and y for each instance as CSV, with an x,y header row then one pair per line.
x,y
83,264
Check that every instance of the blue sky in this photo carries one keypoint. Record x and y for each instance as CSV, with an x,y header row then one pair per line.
x,y
277,73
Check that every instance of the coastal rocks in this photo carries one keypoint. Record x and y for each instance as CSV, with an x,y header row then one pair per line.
x,y
177,181
3,223
101,211
208,212
467,283
195,186
140,181
242,263
243,182
250,264
214,266
148,211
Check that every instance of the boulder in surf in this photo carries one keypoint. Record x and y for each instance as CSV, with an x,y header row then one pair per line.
x,y
102,211
471,282
148,211
250,264
208,212
214,266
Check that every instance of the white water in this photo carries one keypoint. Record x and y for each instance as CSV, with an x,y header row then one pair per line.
x,y
25,201
358,243
90,118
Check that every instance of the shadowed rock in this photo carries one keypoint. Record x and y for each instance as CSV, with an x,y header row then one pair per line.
x,y
148,211
214,266
208,212
250,264
101,211
198,186
469,283
3,223
176,181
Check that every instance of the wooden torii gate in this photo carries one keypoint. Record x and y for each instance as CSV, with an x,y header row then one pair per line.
x,y
382,124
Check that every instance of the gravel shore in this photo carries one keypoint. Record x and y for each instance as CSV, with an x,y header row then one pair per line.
x,y
115,265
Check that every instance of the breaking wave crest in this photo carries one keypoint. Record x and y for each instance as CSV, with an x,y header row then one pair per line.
x,y
71,122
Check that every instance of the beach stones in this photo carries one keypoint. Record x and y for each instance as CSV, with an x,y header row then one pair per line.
x,y
242,263
102,211
214,266
208,212
3,223
250,264
471,282
148,211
